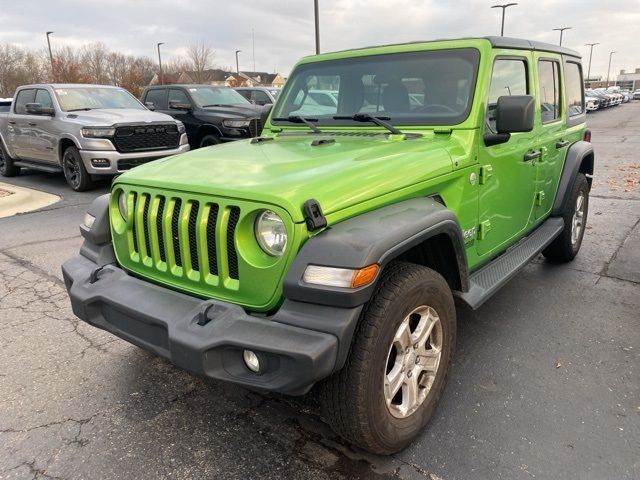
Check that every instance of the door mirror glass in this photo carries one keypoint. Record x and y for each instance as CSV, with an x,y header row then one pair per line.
x,y
515,113
179,106
38,109
150,105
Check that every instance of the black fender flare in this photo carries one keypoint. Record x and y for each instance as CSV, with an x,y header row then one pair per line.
x,y
205,129
378,236
579,158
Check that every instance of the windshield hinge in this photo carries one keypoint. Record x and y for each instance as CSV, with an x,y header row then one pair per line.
x,y
313,215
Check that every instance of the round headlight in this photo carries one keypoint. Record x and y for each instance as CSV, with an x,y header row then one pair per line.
x,y
122,205
271,233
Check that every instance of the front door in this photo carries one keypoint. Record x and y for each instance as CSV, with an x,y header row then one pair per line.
x,y
507,171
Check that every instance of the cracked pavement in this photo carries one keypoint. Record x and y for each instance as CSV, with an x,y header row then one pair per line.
x,y
545,382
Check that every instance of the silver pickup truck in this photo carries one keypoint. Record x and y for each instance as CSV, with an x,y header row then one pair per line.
x,y
84,131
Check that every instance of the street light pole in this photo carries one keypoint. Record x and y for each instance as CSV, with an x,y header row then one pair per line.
x,y
160,63
53,73
237,64
590,55
609,69
317,22
561,30
503,7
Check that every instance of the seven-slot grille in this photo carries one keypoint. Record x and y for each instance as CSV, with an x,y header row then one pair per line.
x,y
184,237
140,138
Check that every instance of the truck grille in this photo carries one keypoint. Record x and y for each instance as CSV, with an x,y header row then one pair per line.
x,y
255,127
198,244
140,138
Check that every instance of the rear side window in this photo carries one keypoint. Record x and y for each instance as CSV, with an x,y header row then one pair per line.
x,y
245,93
24,97
158,97
575,94
509,77
549,85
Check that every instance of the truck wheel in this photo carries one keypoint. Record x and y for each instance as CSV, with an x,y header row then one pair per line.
x,y
7,168
208,140
398,363
74,171
566,246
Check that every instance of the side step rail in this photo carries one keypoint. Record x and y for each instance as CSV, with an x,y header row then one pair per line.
x,y
43,167
490,278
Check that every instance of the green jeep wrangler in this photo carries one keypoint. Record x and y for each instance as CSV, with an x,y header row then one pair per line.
x,y
389,183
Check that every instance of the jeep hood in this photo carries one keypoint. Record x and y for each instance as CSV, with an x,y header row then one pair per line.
x,y
289,170
106,117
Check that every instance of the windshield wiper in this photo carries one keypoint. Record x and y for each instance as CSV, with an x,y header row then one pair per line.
x,y
365,117
309,122
80,109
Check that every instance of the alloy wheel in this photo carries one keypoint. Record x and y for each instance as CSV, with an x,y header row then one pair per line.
x,y
71,169
578,218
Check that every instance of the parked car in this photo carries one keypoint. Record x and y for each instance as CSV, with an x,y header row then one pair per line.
x,y
636,94
211,114
605,99
259,95
591,103
329,250
5,104
85,131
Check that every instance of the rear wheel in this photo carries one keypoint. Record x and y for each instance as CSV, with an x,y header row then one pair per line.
x,y
74,171
7,168
567,245
398,363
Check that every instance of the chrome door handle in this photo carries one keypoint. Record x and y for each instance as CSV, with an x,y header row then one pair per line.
x,y
11,122
31,124
531,155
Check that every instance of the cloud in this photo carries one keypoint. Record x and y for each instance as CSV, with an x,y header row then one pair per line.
x,y
284,28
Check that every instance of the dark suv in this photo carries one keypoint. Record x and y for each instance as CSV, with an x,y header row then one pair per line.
x,y
211,114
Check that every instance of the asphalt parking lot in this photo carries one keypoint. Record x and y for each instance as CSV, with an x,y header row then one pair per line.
x,y
545,384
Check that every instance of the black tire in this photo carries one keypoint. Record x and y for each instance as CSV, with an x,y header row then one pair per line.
x,y
565,248
209,139
74,171
7,168
353,399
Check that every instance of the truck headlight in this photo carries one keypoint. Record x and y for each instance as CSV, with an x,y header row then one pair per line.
x,y
235,123
271,233
122,205
98,132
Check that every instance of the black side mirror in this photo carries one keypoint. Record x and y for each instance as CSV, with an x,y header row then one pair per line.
x,y
514,113
150,105
38,109
179,106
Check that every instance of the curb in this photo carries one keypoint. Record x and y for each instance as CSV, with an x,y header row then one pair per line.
x,y
23,200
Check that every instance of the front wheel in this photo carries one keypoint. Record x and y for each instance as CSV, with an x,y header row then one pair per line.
x,y
74,171
209,140
398,363
567,245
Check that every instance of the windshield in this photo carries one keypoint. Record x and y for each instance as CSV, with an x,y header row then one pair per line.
x,y
416,88
206,96
89,98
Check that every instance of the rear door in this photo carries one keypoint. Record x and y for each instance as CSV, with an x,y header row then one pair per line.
x,y
42,144
19,128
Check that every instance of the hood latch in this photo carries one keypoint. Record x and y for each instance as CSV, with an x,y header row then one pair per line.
x,y
313,215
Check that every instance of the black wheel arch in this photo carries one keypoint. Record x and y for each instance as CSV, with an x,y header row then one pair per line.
x,y
580,159
204,130
419,230
62,147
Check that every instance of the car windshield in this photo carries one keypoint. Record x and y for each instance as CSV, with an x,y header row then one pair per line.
x,y
213,96
90,98
415,88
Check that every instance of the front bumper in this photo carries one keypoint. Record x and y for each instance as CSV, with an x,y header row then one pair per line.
x,y
121,162
165,322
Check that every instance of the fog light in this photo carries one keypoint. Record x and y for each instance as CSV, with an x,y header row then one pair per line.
x,y
251,360
100,162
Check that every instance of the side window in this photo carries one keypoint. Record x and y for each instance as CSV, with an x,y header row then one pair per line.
x,y
549,84
158,97
245,93
178,96
573,82
43,98
261,98
24,97
509,77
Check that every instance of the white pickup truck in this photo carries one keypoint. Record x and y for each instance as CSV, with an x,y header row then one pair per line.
x,y
84,131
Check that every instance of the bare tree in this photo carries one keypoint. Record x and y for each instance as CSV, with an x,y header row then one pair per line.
x,y
200,57
19,66
94,62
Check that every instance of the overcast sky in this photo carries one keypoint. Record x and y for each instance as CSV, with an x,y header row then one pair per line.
x,y
284,28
